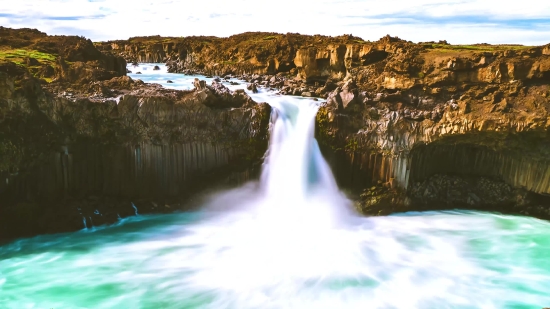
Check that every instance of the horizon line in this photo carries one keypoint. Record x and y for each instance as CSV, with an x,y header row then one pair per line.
x,y
273,32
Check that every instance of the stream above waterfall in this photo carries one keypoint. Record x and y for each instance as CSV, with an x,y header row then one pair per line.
x,y
289,240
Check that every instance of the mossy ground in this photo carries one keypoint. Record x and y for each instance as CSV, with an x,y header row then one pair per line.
x,y
19,56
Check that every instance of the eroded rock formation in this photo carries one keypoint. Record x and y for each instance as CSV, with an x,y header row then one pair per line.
x,y
75,157
246,53
88,147
421,113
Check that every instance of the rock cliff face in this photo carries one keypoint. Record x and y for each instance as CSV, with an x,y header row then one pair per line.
x,y
247,53
88,147
400,116
419,116
66,160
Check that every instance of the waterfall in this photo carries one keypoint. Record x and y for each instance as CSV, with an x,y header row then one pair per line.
x,y
295,168
296,185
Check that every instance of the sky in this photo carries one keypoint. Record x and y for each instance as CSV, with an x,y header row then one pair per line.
x,y
457,21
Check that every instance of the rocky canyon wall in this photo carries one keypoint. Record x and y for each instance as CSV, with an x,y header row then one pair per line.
x,y
465,114
309,57
73,160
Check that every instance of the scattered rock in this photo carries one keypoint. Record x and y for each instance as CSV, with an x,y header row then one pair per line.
x,y
252,87
199,84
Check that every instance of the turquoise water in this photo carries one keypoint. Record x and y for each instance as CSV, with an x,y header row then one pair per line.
x,y
196,260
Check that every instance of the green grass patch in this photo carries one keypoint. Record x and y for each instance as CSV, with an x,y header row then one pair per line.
x,y
18,56
270,37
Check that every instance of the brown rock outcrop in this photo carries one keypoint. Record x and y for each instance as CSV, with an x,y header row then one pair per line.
x,y
72,60
251,52
69,158
421,113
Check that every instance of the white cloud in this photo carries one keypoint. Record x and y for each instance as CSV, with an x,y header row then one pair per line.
x,y
458,21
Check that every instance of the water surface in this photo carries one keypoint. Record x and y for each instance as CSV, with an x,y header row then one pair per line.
x,y
242,259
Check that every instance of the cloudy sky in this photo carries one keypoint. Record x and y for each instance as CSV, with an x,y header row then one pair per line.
x,y
457,21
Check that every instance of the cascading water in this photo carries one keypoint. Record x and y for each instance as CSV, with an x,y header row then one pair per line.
x,y
289,241
295,165
296,178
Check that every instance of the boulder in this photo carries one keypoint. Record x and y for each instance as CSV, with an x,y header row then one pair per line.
x,y
199,84
122,82
349,93
252,87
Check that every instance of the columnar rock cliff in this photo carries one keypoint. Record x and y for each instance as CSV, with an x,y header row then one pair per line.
x,y
422,113
398,114
87,147
70,154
